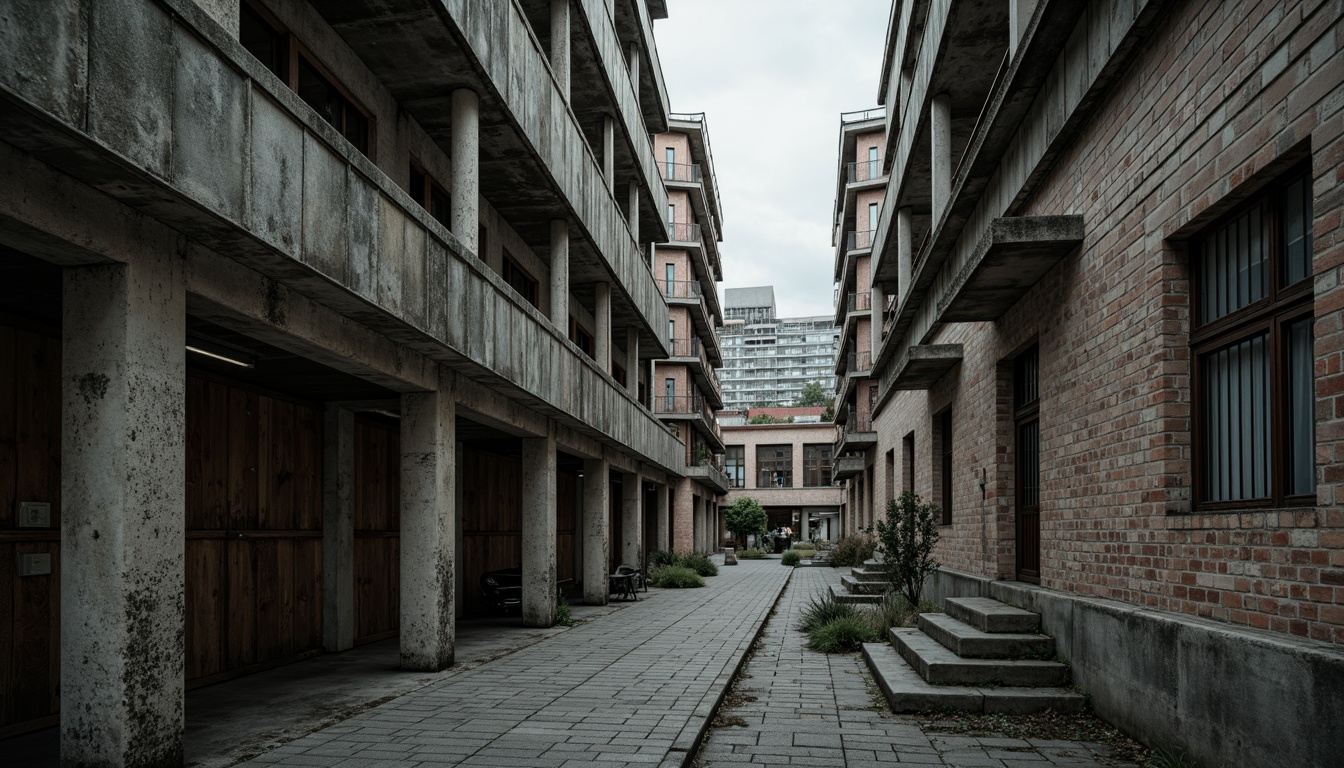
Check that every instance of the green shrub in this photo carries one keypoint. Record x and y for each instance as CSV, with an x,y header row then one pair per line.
x,y
658,558
701,564
893,611
908,535
676,577
563,617
751,554
841,635
792,558
823,609
851,551
804,546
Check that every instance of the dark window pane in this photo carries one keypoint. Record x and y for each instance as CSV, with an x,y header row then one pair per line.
x,y
1232,266
438,205
262,40
1236,421
417,186
1301,409
1297,231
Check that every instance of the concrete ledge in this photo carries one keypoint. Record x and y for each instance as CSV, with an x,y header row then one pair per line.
x,y
940,666
920,367
1223,694
970,643
906,692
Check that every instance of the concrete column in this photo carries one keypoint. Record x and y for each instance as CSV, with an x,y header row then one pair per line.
x,y
560,274
904,253
338,529
876,301
602,321
465,168
609,152
632,208
683,521
596,529
1019,15
123,532
632,518
428,525
632,360
632,65
560,43
539,531
940,175
664,539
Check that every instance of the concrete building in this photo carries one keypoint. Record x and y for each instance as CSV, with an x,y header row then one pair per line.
x,y
688,268
1111,231
312,313
767,360
787,469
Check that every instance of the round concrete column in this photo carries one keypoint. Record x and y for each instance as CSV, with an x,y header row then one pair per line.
x,y
465,166
596,530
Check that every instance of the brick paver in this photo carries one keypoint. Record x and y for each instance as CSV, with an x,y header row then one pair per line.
x,y
636,687
815,709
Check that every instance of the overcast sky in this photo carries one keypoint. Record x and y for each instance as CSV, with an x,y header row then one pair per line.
x,y
772,77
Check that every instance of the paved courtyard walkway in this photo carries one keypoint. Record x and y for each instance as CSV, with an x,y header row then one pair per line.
x,y
636,687
818,709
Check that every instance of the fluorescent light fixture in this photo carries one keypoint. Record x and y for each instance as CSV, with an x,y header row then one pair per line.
x,y
218,356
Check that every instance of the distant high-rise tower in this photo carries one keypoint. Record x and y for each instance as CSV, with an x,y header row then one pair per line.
x,y
768,360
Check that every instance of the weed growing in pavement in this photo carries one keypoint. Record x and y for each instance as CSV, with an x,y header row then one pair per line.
x,y
1163,758
562,615
841,635
822,609
791,558
1049,725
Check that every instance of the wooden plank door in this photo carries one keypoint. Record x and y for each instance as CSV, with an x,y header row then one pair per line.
x,y
1027,445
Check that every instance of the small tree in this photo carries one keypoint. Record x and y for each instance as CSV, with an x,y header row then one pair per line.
x,y
907,538
814,395
744,518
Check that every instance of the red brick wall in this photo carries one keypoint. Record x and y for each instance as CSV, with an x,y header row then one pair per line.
x,y
1211,100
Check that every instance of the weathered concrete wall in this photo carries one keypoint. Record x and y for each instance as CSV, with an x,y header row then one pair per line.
x,y
1224,695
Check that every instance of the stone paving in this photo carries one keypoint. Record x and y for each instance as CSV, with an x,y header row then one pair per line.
x,y
636,687
815,709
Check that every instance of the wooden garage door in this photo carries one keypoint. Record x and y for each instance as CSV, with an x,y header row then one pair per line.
x,y
30,459
254,529
377,523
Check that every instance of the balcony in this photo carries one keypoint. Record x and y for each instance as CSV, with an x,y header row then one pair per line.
x,y
685,232
853,302
692,352
921,367
693,408
847,467
864,170
709,475
1012,257
856,433
688,172
859,240
859,362
681,291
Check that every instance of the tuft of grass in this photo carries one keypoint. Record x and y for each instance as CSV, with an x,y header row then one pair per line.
x,y
823,609
751,554
792,558
677,577
841,635
562,614
658,558
1165,758
700,563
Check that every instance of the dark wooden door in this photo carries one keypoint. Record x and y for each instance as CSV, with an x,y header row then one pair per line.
x,y
1028,461
377,528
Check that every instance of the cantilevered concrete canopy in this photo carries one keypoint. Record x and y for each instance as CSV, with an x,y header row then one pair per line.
x,y
1013,256
921,366
847,466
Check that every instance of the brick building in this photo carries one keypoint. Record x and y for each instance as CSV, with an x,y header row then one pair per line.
x,y
310,314
787,469
1105,271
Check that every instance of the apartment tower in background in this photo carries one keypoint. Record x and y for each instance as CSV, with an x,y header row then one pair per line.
x,y
767,359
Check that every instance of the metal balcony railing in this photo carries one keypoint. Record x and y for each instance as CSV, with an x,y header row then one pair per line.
x,y
680,289
860,115
687,347
859,239
859,361
680,171
684,232
864,170
686,405
857,422
859,301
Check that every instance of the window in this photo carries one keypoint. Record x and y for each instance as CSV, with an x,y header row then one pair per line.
x,y
519,279
816,465
774,466
943,453
672,218
432,197
735,464
671,162
1027,461
581,337
669,395
874,168
618,373
891,474
670,275
264,40
332,105
1254,353
872,217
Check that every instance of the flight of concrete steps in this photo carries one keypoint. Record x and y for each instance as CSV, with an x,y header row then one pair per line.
x,y
863,585
979,656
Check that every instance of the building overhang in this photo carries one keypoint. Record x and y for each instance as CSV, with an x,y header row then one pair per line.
x,y
1012,257
846,466
923,365
855,441
709,476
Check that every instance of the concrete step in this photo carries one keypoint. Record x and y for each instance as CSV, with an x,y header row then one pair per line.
x,y
939,666
970,643
906,692
868,574
860,587
843,595
989,615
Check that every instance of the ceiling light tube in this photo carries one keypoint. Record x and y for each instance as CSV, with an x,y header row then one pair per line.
x,y
218,356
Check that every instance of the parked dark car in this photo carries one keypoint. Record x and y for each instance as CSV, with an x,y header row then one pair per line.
x,y
502,590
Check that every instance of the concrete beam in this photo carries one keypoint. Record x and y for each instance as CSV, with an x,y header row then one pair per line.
x,y
465,161
596,530
428,529
539,531
123,490
338,529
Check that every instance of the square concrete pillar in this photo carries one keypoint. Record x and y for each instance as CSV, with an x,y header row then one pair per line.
x,y
940,153
465,167
631,363
683,518
596,530
560,44
539,525
428,523
1019,16
602,325
632,518
632,208
904,253
123,532
609,152
663,538
877,303
632,64
560,275
338,529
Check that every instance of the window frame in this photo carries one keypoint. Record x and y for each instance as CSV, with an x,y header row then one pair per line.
x,y
816,467
1272,315
736,462
772,463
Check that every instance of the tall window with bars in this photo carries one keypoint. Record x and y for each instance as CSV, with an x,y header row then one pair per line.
x,y
1252,345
